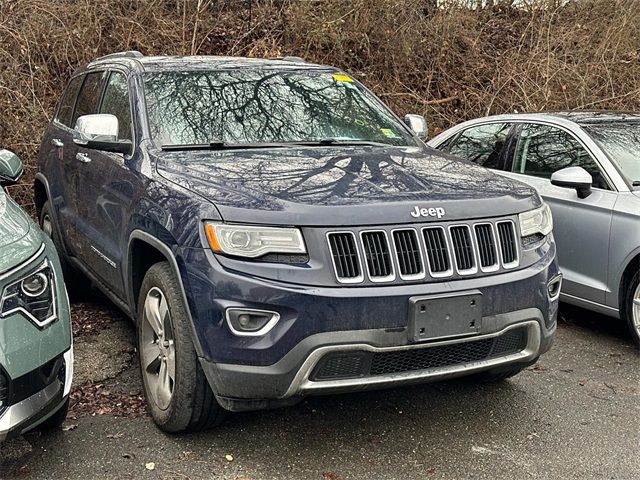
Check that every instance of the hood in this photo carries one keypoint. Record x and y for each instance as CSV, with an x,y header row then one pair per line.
x,y
335,186
14,223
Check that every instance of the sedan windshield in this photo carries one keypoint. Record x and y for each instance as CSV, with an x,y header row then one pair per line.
x,y
621,142
253,107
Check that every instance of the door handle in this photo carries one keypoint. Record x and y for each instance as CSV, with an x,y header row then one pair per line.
x,y
56,142
83,157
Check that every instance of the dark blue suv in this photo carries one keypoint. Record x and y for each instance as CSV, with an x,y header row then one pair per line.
x,y
275,231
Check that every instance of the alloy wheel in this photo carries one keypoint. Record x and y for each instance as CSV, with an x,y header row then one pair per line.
x,y
635,309
157,348
47,226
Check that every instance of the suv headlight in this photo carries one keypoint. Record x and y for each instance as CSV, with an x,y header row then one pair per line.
x,y
536,221
253,241
33,295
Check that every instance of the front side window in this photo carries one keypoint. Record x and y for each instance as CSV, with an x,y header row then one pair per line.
x,y
621,142
264,106
482,145
116,102
65,110
89,98
543,150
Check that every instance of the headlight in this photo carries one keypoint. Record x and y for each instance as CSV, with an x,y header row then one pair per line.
x,y
33,295
536,221
252,241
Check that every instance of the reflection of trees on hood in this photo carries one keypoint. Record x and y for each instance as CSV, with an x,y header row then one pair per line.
x,y
258,106
311,176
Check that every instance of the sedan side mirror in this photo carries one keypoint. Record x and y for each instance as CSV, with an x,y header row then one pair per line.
x,y
100,132
418,125
10,167
573,177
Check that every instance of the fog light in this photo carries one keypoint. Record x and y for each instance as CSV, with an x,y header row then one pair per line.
x,y
553,287
250,322
35,285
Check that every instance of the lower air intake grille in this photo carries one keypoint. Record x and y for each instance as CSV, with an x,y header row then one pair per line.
x,y
376,252
349,365
345,255
508,247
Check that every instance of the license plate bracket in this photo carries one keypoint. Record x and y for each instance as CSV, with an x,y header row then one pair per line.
x,y
445,315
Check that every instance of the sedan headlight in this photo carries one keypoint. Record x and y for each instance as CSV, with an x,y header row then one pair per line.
x,y
536,221
33,295
253,241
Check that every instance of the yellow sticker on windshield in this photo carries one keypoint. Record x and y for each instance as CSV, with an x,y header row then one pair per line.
x,y
387,132
341,77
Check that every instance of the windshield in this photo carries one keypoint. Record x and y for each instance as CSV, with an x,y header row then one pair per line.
x,y
621,141
260,106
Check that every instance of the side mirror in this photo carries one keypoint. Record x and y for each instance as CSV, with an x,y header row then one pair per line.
x,y
418,125
100,132
10,167
573,177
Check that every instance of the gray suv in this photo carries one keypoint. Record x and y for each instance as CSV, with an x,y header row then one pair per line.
x,y
586,165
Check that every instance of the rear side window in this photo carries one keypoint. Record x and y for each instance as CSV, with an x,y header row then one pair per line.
x,y
543,150
116,102
65,110
482,145
89,98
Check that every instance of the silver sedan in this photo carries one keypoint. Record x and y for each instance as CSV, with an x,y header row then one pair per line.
x,y
586,165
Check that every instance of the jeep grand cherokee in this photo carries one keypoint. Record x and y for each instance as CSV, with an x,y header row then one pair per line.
x,y
275,231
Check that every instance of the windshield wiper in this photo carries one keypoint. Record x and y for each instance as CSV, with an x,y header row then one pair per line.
x,y
338,142
219,145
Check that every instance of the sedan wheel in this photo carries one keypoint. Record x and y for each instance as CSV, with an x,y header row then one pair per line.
x,y
157,348
635,310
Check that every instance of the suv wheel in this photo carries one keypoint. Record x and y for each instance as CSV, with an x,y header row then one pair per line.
x,y
631,307
75,282
176,389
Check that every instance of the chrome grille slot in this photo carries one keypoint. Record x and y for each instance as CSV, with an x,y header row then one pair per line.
x,y
487,251
345,256
437,251
508,247
408,253
376,254
463,249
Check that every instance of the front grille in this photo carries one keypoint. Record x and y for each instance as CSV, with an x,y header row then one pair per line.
x,y
408,250
462,248
376,253
430,251
386,363
345,255
4,391
486,245
507,243
437,251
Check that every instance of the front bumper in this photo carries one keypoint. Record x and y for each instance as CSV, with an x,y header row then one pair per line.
x,y
28,413
259,372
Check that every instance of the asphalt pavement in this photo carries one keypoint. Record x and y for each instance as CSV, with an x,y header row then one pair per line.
x,y
574,415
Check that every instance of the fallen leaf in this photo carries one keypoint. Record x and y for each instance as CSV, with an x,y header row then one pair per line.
x,y
115,435
229,457
69,427
150,466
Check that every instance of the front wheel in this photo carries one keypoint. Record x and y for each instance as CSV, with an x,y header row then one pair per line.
x,y
177,392
631,307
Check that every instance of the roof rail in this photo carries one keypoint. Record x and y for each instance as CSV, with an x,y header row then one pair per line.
x,y
292,58
127,54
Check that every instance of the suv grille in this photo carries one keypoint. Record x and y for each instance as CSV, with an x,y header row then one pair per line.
x,y
335,366
430,251
345,256
408,250
507,244
376,252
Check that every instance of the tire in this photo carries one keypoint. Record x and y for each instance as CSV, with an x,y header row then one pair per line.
x,y
57,419
77,284
494,376
631,306
184,403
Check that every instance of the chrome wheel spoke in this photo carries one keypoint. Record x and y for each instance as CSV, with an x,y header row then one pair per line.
x,y
635,309
163,386
171,363
152,313
149,357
